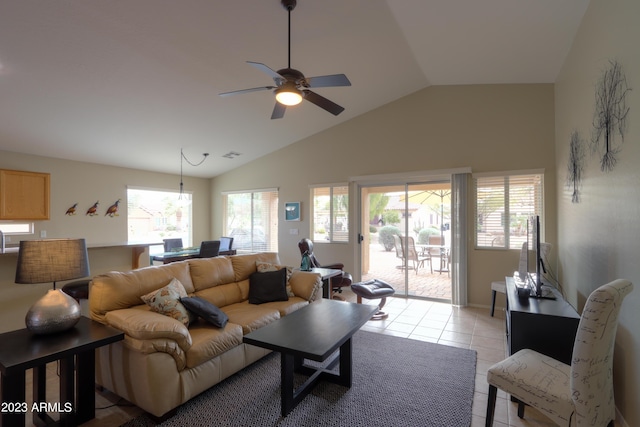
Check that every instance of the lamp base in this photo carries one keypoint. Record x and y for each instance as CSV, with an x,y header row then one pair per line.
x,y
54,312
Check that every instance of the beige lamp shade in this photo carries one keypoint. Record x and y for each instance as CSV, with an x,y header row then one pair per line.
x,y
52,260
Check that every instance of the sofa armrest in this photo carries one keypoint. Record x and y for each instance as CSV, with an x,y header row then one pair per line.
x,y
305,284
148,325
158,345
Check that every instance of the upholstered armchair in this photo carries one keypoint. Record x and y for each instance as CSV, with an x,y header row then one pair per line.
x,y
338,282
576,395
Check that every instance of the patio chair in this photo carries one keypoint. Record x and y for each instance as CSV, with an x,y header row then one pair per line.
x,y
408,245
436,250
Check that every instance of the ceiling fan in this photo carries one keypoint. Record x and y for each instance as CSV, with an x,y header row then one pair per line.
x,y
291,86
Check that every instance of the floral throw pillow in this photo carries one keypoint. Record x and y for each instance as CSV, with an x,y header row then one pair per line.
x,y
166,301
265,267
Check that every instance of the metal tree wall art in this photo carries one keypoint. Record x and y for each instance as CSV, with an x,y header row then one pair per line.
x,y
610,115
575,166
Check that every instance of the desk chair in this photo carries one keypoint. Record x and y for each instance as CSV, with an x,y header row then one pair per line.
x,y
209,249
580,394
338,282
226,243
170,244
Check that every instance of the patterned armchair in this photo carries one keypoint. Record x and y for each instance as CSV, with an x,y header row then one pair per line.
x,y
580,394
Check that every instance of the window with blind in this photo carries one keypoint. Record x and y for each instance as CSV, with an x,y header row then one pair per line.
x,y
503,205
330,216
251,218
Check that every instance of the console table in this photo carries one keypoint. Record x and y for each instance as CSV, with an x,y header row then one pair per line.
x,y
547,326
75,349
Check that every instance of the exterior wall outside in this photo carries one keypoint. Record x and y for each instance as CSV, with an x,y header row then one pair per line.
x,y
485,127
599,237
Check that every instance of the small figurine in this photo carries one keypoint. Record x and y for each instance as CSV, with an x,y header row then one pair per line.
x,y
113,209
72,210
93,210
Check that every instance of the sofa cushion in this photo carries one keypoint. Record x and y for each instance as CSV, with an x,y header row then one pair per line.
x,y
203,308
210,272
264,267
251,316
245,265
210,342
116,290
268,287
166,300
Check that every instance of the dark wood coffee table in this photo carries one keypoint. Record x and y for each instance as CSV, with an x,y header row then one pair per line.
x,y
75,349
315,333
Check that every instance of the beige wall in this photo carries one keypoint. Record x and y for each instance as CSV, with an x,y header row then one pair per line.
x,y
485,127
599,238
85,183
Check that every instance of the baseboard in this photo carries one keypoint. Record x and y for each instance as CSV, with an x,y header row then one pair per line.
x,y
620,421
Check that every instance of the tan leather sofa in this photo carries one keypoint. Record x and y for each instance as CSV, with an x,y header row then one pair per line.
x,y
161,363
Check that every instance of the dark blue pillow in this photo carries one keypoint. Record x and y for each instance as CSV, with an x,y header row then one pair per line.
x,y
206,310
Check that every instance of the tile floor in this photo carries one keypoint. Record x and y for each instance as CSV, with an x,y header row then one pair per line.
x,y
441,323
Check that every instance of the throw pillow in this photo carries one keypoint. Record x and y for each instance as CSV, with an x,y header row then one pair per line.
x,y
268,287
166,301
206,310
264,267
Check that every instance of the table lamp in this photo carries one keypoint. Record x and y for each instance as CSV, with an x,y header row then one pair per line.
x,y
52,260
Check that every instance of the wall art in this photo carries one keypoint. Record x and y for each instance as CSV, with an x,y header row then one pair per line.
x,y
575,166
292,211
610,115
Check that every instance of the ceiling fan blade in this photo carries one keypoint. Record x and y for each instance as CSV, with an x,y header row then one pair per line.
x,y
278,111
323,102
238,92
328,81
266,69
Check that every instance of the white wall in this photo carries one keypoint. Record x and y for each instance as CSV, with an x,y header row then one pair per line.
x,y
485,127
85,183
599,238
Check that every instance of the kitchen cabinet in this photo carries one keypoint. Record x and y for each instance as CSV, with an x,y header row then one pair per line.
x,y
24,195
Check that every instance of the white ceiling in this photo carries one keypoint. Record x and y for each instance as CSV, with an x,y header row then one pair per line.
x,y
131,82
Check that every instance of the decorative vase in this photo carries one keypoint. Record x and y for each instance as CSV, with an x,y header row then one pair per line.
x,y
54,312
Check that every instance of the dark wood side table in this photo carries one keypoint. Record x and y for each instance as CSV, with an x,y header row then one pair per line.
x,y
75,349
327,274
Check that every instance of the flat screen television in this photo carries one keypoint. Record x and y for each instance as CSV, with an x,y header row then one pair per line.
x,y
535,263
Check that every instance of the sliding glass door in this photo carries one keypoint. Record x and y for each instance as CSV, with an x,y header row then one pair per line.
x,y
406,237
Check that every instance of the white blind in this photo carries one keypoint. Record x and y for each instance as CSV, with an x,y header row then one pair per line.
x,y
503,205
251,218
330,214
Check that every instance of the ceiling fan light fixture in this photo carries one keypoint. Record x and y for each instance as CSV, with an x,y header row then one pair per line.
x,y
288,95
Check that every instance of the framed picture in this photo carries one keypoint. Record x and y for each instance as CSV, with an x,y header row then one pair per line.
x,y
292,211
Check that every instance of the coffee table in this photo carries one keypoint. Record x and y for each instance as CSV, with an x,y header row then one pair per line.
x,y
314,332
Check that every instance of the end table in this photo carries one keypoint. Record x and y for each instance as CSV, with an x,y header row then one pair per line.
x,y
75,349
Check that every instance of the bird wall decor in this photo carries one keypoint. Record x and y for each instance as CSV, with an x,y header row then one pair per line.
x,y
93,210
72,210
113,209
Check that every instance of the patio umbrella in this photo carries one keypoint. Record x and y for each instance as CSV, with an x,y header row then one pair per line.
x,y
424,196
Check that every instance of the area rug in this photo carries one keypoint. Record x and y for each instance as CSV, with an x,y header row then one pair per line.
x,y
396,382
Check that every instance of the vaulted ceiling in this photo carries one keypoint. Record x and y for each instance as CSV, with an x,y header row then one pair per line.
x,y
131,82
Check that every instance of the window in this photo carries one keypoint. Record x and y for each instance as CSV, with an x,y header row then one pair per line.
x,y
330,216
16,228
154,215
251,218
503,204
